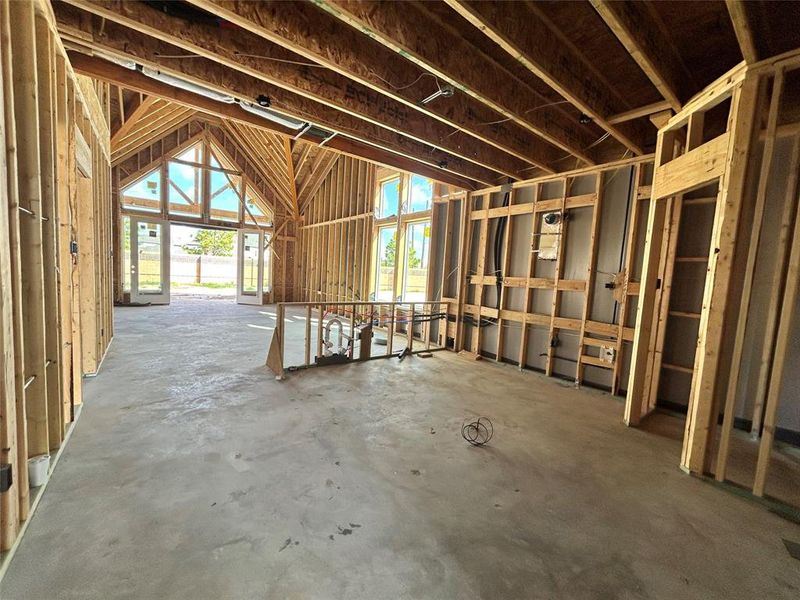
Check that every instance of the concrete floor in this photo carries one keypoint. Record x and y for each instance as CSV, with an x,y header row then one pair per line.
x,y
193,474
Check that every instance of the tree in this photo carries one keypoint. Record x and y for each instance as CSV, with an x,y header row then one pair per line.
x,y
211,242
390,252
413,260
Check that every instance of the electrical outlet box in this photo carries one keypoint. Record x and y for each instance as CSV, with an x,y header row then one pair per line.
x,y
607,354
6,480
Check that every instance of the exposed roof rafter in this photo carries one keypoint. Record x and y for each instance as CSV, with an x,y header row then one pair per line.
x,y
259,58
307,31
523,32
637,28
407,29
737,9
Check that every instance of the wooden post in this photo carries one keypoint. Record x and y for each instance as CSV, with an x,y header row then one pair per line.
x,y
320,318
555,306
12,415
591,264
390,332
64,238
307,338
644,314
353,332
660,317
46,81
30,195
630,252
776,376
410,328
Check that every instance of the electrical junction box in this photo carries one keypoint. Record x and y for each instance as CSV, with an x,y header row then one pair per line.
x,y
549,236
607,354
6,480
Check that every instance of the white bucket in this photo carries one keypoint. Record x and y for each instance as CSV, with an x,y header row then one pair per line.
x,y
38,467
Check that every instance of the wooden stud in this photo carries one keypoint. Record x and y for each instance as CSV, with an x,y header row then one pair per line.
x,y
782,341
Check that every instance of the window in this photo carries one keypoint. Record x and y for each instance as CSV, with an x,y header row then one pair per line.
x,y
144,194
403,237
185,183
389,199
149,237
415,261
250,263
421,194
225,192
386,260
199,181
254,214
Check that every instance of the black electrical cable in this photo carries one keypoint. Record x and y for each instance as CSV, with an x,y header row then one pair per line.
x,y
499,237
631,199
477,432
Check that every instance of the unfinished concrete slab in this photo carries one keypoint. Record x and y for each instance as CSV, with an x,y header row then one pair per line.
x,y
192,473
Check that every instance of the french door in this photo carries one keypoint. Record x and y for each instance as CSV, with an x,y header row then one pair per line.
x,y
250,276
149,239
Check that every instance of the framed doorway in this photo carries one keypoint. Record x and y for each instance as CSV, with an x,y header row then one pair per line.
x,y
149,266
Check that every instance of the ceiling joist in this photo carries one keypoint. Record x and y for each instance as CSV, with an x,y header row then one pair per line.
x,y
135,81
637,28
737,9
308,31
261,59
407,29
523,31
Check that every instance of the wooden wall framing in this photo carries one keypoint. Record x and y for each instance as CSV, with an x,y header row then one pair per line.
x,y
56,302
691,155
337,235
477,311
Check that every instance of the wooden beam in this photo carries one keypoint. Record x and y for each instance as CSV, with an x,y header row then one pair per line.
x,y
642,111
13,450
692,170
45,65
737,9
30,197
245,52
287,148
133,119
638,29
307,31
419,36
207,73
107,71
525,33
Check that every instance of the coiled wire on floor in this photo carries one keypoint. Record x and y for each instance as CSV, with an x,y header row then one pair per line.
x,y
477,432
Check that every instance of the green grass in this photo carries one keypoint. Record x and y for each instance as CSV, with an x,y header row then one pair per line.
x,y
214,285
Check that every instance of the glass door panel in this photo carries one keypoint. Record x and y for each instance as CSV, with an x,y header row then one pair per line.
x,y
415,259
387,252
249,285
149,261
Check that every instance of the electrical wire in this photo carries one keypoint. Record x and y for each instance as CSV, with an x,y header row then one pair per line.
x,y
404,87
477,432
281,60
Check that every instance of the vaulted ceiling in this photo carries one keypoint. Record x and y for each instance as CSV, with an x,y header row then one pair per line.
x,y
467,92
292,171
